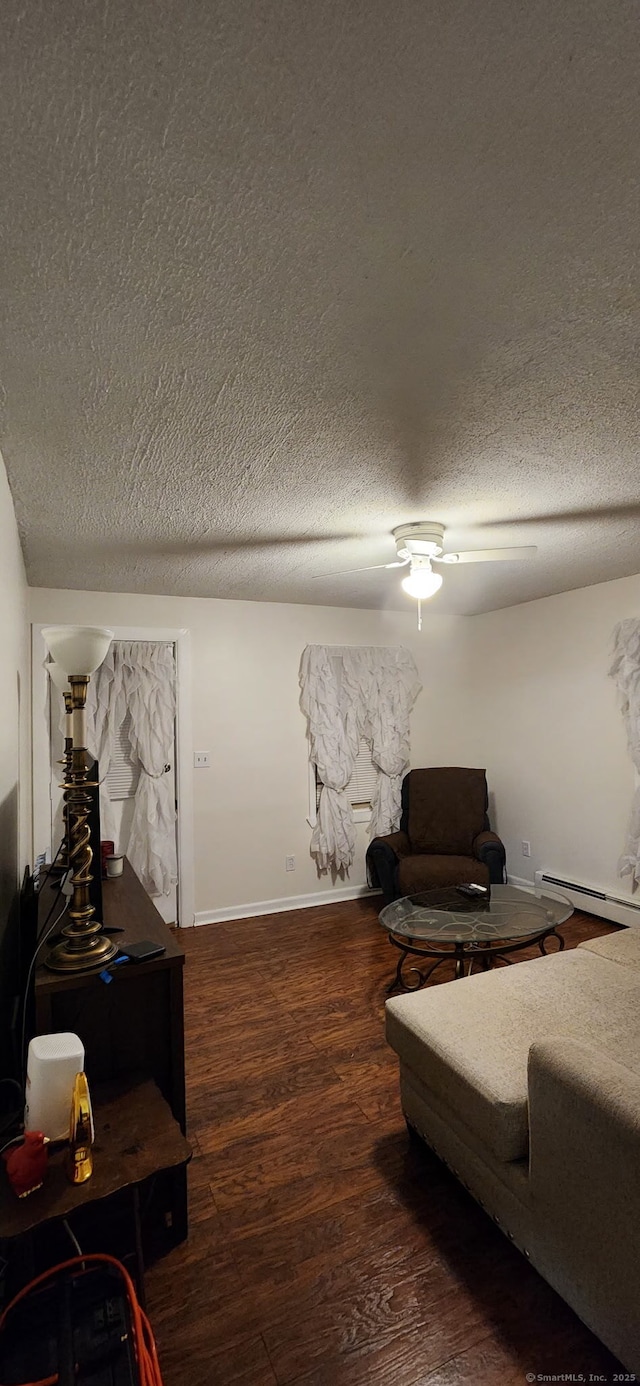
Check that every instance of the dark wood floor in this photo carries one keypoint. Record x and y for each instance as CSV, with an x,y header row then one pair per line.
x,y
324,1248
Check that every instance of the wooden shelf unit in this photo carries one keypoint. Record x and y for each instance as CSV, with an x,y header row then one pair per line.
x,y
133,1026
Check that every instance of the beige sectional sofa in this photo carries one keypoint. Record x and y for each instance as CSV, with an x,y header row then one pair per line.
x,y
526,1081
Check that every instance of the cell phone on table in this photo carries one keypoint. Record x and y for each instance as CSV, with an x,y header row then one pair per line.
x,y
141,952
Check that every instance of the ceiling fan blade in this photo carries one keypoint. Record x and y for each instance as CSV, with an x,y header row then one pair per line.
x,y
489,555
345,572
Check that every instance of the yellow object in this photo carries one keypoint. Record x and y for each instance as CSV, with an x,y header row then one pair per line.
x,y
81,1132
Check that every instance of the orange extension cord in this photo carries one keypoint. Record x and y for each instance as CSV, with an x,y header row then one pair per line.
x,y
143,1340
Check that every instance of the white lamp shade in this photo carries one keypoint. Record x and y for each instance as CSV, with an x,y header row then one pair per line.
x,y
422,583
77,649
58,676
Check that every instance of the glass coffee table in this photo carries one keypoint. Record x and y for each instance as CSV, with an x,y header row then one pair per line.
x,y
444,925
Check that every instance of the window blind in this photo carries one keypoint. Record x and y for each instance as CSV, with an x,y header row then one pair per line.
x,y
124,773
362,785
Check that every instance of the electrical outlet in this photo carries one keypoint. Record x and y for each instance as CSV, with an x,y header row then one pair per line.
x,y
526,849
289,863
201,760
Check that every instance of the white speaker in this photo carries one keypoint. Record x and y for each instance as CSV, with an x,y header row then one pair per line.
x,y
52,1064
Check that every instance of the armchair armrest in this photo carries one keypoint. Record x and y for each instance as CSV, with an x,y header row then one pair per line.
x,y
383,855
398,843
584,1122
489,848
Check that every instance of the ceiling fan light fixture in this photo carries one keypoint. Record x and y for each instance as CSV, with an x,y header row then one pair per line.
x,y
422,583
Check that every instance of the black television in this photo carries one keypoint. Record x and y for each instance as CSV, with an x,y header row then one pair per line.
x,y
20,936
17,947
9,924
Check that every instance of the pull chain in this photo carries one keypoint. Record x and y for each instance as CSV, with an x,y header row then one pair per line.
x,y
419,614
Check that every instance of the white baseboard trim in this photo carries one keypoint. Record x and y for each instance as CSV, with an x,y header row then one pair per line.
x,y
520,881
288,902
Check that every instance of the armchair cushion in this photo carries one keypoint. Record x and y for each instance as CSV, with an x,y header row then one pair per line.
x,y
428,871
447,810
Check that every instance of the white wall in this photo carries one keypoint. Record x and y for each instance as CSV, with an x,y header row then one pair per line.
x,y
544,719
523,691
15,770
251,806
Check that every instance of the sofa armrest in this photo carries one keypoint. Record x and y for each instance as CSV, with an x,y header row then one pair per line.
x,y
383,855
584,1125
489,849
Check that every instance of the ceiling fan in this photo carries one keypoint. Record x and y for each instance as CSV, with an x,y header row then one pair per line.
x,y
421,544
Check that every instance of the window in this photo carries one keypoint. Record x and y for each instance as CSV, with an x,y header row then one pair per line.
x,y
124,772
361,787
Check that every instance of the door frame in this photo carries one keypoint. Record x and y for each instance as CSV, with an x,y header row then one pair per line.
x,y
180,637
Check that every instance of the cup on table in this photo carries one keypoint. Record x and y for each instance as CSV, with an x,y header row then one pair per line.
x,y
107,849
115,865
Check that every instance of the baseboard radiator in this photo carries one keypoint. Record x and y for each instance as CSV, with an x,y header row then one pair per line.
x,y
594,901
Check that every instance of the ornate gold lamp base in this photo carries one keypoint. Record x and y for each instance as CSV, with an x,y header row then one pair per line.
x,y
78,952
83,946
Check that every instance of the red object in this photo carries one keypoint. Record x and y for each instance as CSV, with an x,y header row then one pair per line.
x,y
107,849
27,1164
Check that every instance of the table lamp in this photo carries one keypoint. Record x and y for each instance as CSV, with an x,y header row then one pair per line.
x,y
78,651
61,681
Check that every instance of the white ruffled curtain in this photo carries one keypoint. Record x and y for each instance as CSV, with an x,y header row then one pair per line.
x,y
106,707
351,692
625,669
139,676
334,732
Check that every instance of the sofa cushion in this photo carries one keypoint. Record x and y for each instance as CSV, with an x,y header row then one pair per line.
x,y
621,947
447,809
425,872
468,1041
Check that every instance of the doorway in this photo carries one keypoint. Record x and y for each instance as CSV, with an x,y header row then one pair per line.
x,y
178,905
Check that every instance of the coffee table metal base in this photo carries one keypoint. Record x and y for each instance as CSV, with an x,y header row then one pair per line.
x,y
469,951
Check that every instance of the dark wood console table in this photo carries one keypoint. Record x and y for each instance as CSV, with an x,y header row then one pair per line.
x,y
132,1027
136,1138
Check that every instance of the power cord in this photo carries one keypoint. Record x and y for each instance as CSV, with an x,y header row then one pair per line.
x,y
8,1143
72,1238
142,1334
45,935
38,881
61,886
15,1116
14,1083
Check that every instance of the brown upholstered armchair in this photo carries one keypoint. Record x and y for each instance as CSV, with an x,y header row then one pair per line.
x,y
444,837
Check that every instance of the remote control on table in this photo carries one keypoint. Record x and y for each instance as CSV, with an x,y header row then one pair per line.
x,y
473,891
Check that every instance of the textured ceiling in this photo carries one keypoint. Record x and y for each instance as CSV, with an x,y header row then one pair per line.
x,y
278,277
